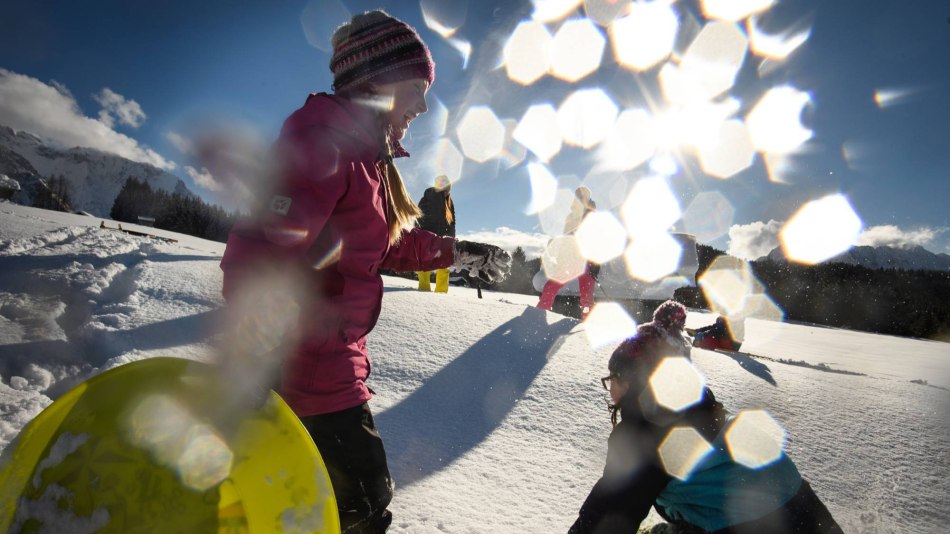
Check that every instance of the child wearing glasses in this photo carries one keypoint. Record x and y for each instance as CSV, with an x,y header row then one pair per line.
x,y
718,494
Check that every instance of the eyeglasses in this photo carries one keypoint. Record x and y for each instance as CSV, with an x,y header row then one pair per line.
x,y
606,381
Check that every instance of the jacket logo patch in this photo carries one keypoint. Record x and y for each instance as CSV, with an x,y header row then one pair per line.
x,y
280,205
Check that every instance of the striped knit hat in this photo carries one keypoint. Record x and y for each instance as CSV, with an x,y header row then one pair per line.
x,y
376,47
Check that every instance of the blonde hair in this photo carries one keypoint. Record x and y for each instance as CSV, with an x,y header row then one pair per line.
x,y
401,212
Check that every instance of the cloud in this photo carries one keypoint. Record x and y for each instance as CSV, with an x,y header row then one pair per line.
x,y
129,112
754,240
203,178
183,144
889,235
50,111
509,239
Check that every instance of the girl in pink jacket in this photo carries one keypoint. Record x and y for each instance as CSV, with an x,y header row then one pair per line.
x,y
339,213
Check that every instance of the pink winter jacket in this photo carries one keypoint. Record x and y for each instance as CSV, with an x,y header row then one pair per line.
x,y
327,221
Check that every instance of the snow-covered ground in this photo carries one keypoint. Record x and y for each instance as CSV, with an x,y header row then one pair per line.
x,y
492,411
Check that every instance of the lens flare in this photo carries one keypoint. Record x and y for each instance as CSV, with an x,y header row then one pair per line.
x,y
645,36
734,10
601,237
730,153
682,450
652,256
709,216
543,188
576,50
539,132
586,116
608,323
821,229
527,53
562,260
481,135
650,207
774,46
775,121
889,97
677,384
755,439
444,17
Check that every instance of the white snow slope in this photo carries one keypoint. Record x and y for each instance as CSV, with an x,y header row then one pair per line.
x,y
492,411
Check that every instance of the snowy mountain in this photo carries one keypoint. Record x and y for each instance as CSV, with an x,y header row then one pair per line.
x,y
492,424
94,177
915,257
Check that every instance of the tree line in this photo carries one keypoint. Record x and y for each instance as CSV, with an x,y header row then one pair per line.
x,y
185,214
899,302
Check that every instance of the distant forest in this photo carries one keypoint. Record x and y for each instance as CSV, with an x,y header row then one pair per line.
x,y
908,303
171,211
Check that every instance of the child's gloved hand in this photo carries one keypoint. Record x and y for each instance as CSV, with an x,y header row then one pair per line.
x,y
488,263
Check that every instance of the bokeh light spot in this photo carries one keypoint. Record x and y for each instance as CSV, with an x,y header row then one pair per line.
x,y
176,439
677,384
205,460
710,64
732,290
821,229
319,19
481,135
604,12
650,207
709,216
586,116
631,142
730,153
608,323
645,36
652,256
543,188
734,10
682,450
576,50
539,132
553,10
447,159
562,260
601,237
755,439
775,121
513,152
527,52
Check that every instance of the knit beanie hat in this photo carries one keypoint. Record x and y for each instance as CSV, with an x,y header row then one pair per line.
x,y
376,47
660,338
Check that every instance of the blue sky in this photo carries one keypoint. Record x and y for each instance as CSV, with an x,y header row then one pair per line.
x,y
169,65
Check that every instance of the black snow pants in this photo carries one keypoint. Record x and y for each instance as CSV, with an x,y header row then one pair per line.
x,y
356,461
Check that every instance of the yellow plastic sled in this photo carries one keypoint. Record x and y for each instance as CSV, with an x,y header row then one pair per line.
x,y
162,445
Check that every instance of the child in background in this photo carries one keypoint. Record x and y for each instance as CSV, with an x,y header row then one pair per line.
x,y
438,217
719,495
582,205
